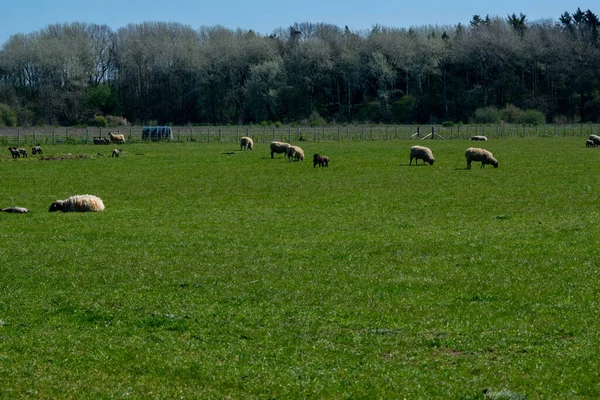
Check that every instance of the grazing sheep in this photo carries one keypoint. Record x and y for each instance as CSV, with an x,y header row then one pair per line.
x,y
15,209
421,153
295,152
323,161
279,147
246,143
23,152
479,138
78,203
595,139
476,154
14,152
36,150
116,152
590,143
116,138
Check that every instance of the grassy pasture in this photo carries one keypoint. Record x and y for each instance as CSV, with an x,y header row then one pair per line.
x,y
215,275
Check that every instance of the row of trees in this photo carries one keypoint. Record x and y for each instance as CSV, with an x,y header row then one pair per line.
x,y
170,73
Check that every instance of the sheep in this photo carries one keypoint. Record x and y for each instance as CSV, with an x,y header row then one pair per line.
x,y
36,150
15,209
279,147
23,152
295,152
421,153
78,203
476,154
590,143
116,152
323,161
99,140
116,138
246,143
479,138
595,139
14,152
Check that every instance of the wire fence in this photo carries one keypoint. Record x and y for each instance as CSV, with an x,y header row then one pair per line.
x,y
230,134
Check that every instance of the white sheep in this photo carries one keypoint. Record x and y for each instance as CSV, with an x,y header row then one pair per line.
x,y
116,138
421,153
279,147
36,150
479,138
595,139
246,143
476,154
295,152
116,152
78,203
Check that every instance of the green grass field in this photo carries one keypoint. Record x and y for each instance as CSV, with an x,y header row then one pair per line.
x,y
216,275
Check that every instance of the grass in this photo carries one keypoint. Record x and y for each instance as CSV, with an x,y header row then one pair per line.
x,y
215,275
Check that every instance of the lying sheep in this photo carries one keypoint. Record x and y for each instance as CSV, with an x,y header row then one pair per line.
x,y
36,150
595,139
279,147
590,143
479,138
295,152
421,153
246,143
323,161
15,209
100,140
476,154
116,152
116,138
78,203
14,152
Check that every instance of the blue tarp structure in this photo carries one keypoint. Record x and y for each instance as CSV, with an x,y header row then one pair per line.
x,y
157,133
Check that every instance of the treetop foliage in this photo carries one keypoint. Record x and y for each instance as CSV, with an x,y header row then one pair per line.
x,y
168,72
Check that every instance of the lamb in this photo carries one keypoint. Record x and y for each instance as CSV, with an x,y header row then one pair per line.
x,y
23,153
246,143
476,154
595,139
590,143
78,203
479,138
421,153
279,147
36,150
116,138
295,152
116,152
323,161
14,152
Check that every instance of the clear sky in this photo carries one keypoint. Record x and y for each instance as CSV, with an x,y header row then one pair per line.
x,y
263,16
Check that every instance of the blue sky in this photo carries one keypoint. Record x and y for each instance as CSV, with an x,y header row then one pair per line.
x,y
263,16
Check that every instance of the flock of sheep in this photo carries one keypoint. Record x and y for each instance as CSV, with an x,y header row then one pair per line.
x,y
87,202
290,151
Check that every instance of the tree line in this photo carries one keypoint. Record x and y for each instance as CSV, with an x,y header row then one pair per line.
x,y
167,73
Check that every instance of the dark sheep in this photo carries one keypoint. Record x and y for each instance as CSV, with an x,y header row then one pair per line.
x,y
116,152
323,161
590,143
36,150
14,152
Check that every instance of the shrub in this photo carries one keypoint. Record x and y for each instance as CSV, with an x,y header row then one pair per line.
x,y
316,119
487,115
99,121
511,114
447,124
7,116
533,117
114,121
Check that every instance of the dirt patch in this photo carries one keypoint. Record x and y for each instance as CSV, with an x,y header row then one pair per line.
x,y
67,157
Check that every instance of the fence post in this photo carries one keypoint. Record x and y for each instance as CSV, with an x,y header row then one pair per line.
x,y
207,135
19,137
220,135
53,138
